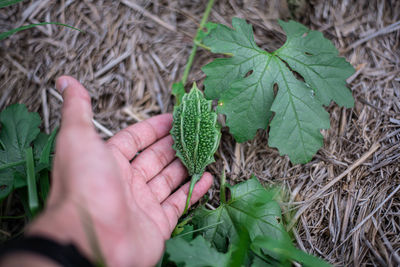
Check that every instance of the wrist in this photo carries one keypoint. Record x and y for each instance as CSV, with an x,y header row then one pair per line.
x,y
63,225
41,251
18,259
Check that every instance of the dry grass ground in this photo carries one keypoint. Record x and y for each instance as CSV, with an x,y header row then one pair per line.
x,y
343,206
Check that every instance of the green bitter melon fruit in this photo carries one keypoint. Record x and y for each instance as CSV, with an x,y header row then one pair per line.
x,y
196,134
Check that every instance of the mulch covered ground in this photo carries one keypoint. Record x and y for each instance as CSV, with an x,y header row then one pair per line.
x,y
343,206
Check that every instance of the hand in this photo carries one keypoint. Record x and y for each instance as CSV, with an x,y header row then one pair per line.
x,y
107,187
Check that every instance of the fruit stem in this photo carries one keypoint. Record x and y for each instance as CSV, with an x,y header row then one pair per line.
x,y
193,181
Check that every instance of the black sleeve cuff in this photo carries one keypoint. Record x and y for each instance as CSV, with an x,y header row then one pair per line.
x,y
64,254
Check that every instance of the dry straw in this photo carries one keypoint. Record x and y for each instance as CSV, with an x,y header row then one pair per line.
x,y
346,201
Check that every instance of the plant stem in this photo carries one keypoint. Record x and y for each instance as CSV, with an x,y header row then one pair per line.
x,y
206,14
31,181
189,64
194,48
222,189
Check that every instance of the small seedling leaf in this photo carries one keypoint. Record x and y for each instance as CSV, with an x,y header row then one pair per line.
x,y
178,90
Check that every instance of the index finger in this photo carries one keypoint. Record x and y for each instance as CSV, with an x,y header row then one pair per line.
x,y
140,135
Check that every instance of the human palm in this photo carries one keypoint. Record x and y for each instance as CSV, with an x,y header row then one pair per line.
x,y
124,188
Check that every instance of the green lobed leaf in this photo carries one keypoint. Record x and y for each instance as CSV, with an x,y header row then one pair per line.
x,y
237,254
249,232
244,85
285,251
252,207
18,129
196,134
195,253
316,60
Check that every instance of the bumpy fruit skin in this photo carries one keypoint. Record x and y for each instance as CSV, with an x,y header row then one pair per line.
x,y
196,134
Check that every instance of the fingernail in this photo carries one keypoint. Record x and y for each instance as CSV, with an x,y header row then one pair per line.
x,y
61,84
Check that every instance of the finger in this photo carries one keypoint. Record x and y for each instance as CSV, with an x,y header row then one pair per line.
x,y
76,128
168,180
76,119
154,158
77,109
140,135
175,204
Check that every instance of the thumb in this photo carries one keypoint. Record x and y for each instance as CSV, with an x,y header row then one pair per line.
x,y
75,134
77,109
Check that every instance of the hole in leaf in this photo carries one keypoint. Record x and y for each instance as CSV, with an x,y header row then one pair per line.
x,y
295,73
304,34
298,76
227,243
278,219
275,88
3,187
227,194
308,54
248,73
